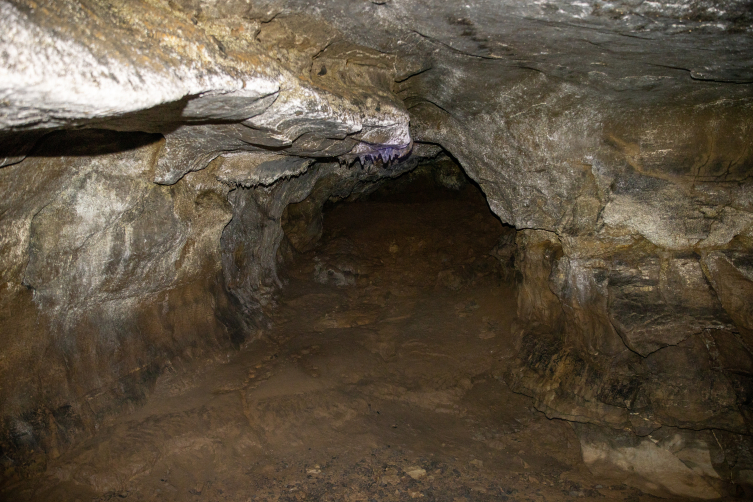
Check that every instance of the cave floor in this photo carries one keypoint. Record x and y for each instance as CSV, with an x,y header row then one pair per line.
x,y
388,386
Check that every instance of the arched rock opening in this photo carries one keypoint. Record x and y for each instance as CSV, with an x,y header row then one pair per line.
x,y
432,205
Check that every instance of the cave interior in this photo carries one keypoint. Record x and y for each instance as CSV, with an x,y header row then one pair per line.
x,y
286,250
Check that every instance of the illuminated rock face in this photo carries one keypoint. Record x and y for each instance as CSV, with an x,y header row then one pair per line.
x,y
149,150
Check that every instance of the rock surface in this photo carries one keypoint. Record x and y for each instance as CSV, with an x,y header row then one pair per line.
x,y
151,148
671,463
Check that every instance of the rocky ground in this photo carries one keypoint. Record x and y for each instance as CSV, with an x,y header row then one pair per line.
x,y
381,378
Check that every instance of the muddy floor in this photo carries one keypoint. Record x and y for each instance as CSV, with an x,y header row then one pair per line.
x,y
380,379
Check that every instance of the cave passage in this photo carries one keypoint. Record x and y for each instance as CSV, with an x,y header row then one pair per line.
x,y
382,376
240,258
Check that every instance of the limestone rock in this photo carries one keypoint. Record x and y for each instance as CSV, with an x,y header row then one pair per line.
x,y
668,463
171,75
662,302
102,268
574,363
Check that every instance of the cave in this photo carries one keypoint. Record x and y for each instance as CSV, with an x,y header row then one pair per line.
x,y
376,250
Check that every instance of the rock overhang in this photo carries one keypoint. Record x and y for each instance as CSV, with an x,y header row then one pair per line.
x,y
147,67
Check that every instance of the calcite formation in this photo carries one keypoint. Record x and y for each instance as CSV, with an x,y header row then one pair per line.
x,y
149,150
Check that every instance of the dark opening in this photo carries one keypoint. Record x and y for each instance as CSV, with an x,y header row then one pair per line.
x,y
430,227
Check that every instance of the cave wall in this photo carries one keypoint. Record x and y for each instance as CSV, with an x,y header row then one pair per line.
x,y
624,204
135,168
625,230
108,279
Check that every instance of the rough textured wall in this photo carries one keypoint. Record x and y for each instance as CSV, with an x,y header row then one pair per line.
x,y
107,278
626,197
113,262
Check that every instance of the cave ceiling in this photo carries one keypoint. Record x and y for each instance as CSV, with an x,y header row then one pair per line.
x,y
212,65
